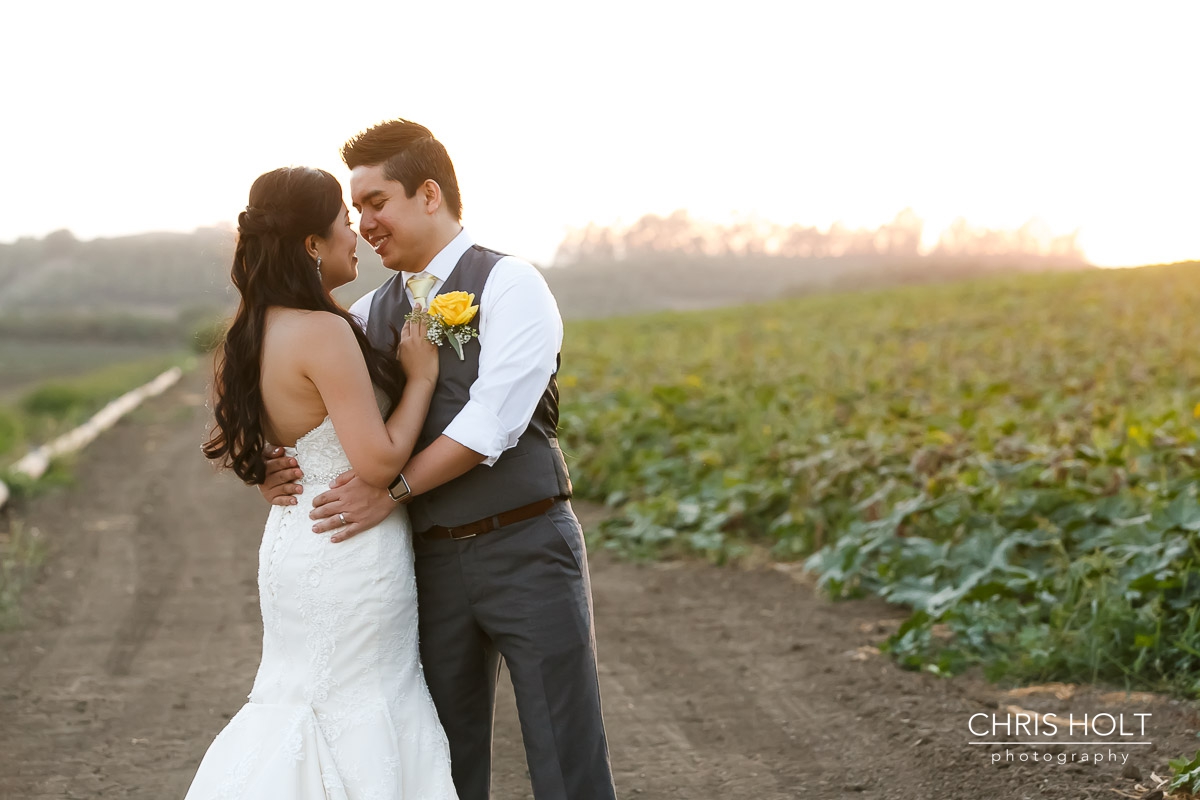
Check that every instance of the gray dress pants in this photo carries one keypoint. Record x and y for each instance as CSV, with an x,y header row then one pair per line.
x,y
520,593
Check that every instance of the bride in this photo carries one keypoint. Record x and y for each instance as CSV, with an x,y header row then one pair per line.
x,y
339,707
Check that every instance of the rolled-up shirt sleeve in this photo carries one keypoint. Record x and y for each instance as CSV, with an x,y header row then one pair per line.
x,y
520,336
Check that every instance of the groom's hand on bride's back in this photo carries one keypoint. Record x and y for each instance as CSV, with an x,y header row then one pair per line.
x,y
349,507
279,487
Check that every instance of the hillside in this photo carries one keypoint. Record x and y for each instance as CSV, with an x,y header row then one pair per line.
x,y
154,274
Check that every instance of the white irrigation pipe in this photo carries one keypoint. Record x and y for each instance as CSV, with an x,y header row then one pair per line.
x,y
35,464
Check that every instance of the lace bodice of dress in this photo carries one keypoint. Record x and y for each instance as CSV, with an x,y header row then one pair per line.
x,y
320,454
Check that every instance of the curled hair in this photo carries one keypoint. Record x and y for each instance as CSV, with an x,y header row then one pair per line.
x,y
271,267
263,222
409,155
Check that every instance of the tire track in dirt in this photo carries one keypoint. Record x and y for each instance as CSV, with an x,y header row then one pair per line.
x,y
157,565
143,637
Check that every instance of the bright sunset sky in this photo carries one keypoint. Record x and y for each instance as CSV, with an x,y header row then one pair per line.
x,y
123,117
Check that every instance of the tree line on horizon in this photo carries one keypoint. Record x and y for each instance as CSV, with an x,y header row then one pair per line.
x,y
679,233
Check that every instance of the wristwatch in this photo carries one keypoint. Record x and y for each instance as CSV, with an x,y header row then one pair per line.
x,y
405,495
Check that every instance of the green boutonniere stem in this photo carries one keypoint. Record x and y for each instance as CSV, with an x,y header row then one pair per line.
x,y
456,344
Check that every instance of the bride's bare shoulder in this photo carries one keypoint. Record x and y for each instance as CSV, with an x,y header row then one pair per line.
x,y
308,339
304,323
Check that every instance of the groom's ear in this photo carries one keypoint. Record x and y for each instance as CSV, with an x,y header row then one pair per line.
x,y
431,195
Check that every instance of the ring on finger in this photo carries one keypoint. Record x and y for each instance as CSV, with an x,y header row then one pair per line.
x,y
342,517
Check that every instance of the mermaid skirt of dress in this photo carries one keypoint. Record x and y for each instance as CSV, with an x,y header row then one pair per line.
x,y
339,708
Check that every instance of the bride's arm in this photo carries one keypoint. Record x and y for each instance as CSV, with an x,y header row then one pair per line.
x,y
332,361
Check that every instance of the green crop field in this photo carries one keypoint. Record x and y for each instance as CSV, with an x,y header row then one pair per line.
x,y
1015,459
26,363
71,384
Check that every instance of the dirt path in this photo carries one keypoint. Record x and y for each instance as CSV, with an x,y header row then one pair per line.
x,y
143,638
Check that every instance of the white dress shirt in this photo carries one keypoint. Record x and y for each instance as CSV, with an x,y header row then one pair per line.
x,y
520,336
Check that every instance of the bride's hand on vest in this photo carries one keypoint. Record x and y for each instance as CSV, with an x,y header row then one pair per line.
x,y
283,474
418,356
349,507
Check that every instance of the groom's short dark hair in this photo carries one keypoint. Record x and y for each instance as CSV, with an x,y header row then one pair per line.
x,y
409,154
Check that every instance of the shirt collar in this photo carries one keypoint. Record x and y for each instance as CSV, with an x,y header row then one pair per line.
x,y
444,262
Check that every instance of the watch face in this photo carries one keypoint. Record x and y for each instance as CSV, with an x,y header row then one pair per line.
x,y
402,495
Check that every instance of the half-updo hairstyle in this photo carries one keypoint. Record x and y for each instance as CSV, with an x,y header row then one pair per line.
x,y
271,267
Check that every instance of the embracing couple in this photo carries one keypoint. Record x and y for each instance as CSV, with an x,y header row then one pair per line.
x,y
435,481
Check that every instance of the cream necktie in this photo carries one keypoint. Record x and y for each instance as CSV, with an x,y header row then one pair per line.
x,y
420,286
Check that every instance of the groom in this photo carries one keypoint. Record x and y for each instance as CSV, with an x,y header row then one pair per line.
x,y
500,562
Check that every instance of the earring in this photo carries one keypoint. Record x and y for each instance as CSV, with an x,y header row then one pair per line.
x,y
318,267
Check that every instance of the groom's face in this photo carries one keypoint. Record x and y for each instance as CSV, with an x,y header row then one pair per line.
x,y
397,226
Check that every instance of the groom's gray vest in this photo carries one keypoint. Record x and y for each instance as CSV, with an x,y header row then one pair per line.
x,y
532,470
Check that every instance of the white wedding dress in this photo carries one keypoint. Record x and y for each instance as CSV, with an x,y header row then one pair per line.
x,y
339,709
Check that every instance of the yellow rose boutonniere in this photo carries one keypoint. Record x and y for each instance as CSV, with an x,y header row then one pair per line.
x,y
454,308
448,320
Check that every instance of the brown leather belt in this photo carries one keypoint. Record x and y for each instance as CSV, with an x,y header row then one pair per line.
x,y
489,524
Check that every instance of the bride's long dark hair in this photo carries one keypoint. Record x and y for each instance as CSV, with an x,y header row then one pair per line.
x,y
271,267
